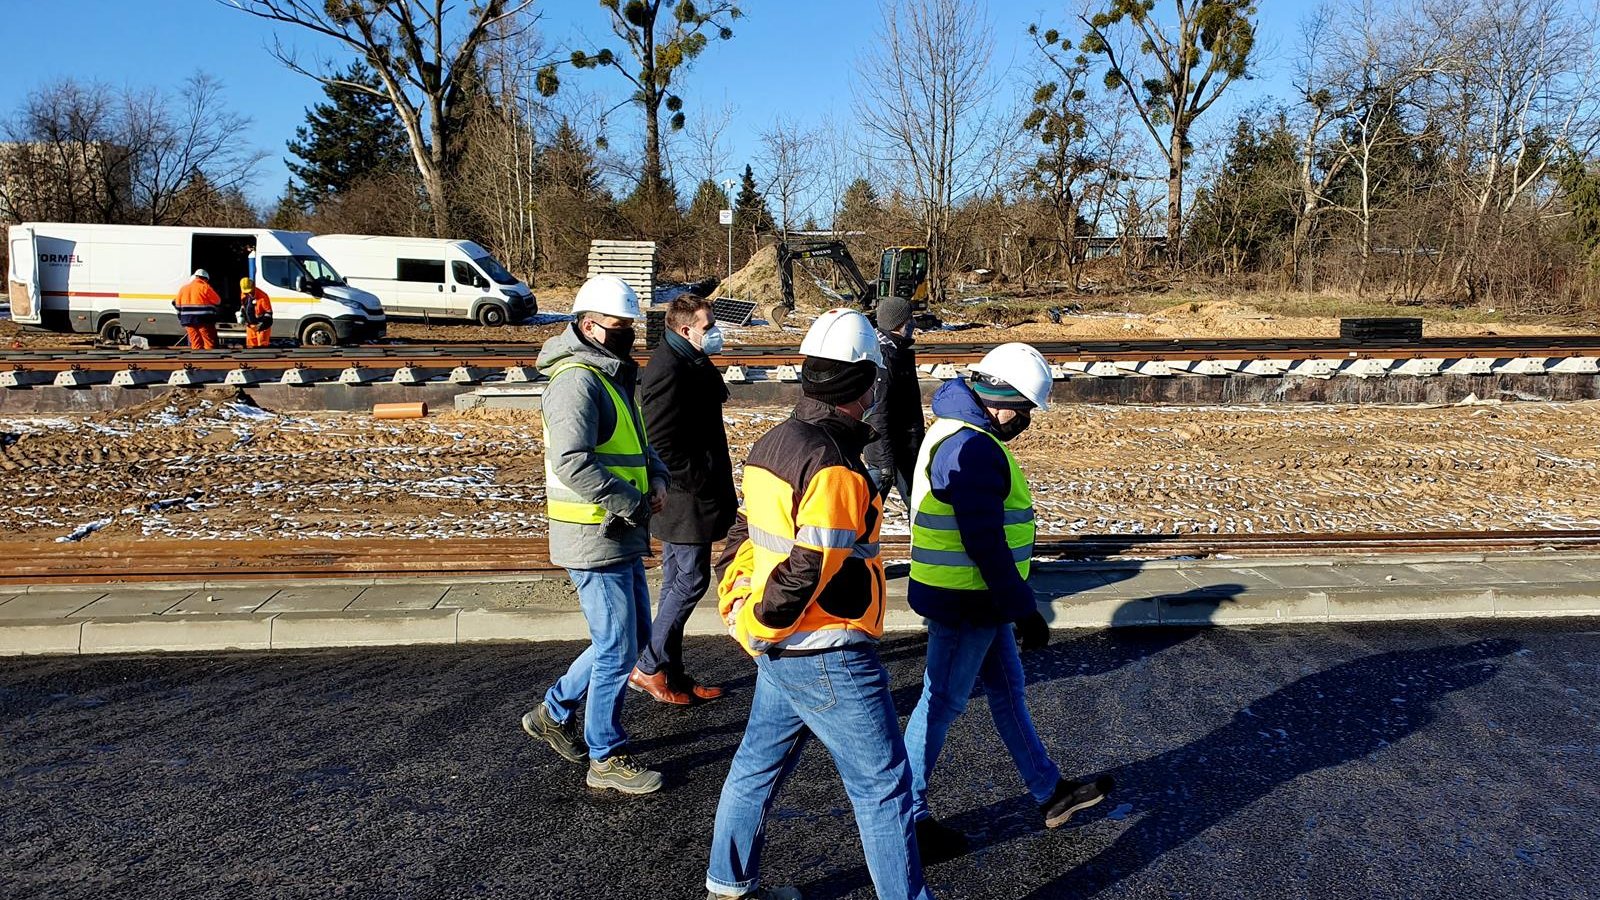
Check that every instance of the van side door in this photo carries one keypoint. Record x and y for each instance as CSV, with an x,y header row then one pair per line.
x,y
420,287
468,285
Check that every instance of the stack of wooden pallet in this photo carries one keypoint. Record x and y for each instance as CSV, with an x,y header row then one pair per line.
x,y
632,261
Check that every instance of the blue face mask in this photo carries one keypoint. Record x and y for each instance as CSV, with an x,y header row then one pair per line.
x,y
711,341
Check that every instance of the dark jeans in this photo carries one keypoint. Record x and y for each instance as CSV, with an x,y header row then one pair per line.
x,y
685,577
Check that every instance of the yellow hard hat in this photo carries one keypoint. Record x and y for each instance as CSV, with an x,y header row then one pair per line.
x,y
246,284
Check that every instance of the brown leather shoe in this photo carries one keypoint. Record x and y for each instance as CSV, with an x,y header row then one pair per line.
x,y
657,686
700,691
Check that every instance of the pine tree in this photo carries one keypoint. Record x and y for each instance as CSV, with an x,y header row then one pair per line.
x,y
1246,209
1581,185
572,206
751,217
858,207
352,135
706,231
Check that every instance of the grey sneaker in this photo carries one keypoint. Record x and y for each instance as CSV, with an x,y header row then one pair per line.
x,y
777,893
618,772
561,736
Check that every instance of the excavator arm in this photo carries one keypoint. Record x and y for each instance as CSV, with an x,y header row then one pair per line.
x,y
865,291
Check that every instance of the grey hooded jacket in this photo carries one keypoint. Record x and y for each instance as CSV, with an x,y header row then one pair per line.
x,y
579,416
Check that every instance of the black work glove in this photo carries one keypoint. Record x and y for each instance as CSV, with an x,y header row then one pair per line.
x,y
616,527
1033,632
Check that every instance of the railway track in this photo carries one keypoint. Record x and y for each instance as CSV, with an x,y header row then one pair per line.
x,y
149,561
433,354
415,364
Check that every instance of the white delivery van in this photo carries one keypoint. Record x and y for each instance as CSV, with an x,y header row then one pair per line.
x,y
429,278
119,280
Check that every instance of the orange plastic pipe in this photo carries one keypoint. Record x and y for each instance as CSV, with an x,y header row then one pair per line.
x,y
399,410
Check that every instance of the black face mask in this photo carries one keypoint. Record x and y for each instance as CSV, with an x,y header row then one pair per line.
x,y
1016,426
619,340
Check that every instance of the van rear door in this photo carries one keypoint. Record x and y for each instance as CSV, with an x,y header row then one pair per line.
x,y
26,293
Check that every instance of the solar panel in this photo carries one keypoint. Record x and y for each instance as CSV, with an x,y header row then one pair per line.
x,y
732,312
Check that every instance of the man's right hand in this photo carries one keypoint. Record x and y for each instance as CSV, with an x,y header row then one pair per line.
x,y
1033,632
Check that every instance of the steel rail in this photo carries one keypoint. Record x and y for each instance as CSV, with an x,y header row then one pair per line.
x,y
447,356
111,560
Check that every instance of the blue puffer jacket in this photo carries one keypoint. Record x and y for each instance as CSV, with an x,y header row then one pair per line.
x,y
970,472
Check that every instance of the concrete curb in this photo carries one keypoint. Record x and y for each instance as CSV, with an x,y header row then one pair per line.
x,y
443,626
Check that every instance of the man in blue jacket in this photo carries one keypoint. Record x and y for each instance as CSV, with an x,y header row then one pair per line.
x,y
972,537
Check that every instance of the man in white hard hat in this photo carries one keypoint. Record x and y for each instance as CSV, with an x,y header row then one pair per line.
x,y
802,592
197,304
972,532
602,483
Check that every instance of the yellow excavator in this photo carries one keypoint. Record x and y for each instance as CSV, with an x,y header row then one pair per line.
x,y
902,272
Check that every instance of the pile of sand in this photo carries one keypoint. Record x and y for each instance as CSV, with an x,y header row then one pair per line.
x,y
760,282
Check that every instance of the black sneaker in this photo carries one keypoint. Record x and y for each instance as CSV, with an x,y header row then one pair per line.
x,y
1072,796
937,841
561,736
618,772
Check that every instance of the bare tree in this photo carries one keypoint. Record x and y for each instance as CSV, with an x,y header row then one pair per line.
x,y
174,143
1521,82
64,161
708,151
789,163
1176,75
422,51
661,38
95,155
924,92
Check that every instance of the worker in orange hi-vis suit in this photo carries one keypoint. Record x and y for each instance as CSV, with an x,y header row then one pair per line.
x,y
257,309
197,304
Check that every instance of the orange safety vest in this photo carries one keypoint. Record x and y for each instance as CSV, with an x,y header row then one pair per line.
x,y
197,293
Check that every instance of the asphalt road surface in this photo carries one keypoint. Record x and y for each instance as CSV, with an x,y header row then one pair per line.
x,y
1430,760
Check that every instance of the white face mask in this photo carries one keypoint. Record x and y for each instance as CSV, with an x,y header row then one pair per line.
x,y
710,342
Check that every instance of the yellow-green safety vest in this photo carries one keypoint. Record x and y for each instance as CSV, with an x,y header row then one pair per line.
x,y
938,558
621,454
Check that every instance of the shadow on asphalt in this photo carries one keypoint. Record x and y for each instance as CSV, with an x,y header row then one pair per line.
x,y
1341,714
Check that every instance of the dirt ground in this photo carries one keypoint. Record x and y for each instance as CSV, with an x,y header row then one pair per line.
x,y
211,466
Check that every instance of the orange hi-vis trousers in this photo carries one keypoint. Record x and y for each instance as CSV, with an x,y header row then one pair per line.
x,y
201,337
256,336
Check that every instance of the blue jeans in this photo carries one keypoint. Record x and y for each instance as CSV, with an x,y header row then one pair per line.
x,y
616,602
685,577
958,656
842,697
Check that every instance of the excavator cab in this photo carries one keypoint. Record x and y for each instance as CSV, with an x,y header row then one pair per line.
x,y
903,272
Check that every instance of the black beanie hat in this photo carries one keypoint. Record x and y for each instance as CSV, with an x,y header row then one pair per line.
x,y
893,313
834,382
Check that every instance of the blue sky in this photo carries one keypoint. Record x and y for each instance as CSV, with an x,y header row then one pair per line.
x,y
788,57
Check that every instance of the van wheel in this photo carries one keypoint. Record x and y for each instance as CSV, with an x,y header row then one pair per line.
x,y
111,331
318,334
492,315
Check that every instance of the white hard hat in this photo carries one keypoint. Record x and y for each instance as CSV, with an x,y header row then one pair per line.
x,y
202,273
1022,368
844,335
607,295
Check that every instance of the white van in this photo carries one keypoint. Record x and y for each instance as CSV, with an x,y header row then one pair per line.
x,y
118,280
430,278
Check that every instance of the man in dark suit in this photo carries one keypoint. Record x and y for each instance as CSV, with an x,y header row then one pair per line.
x,y
682,395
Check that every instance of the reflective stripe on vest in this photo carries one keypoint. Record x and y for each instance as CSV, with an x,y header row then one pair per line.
x,y
622,455
938,558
